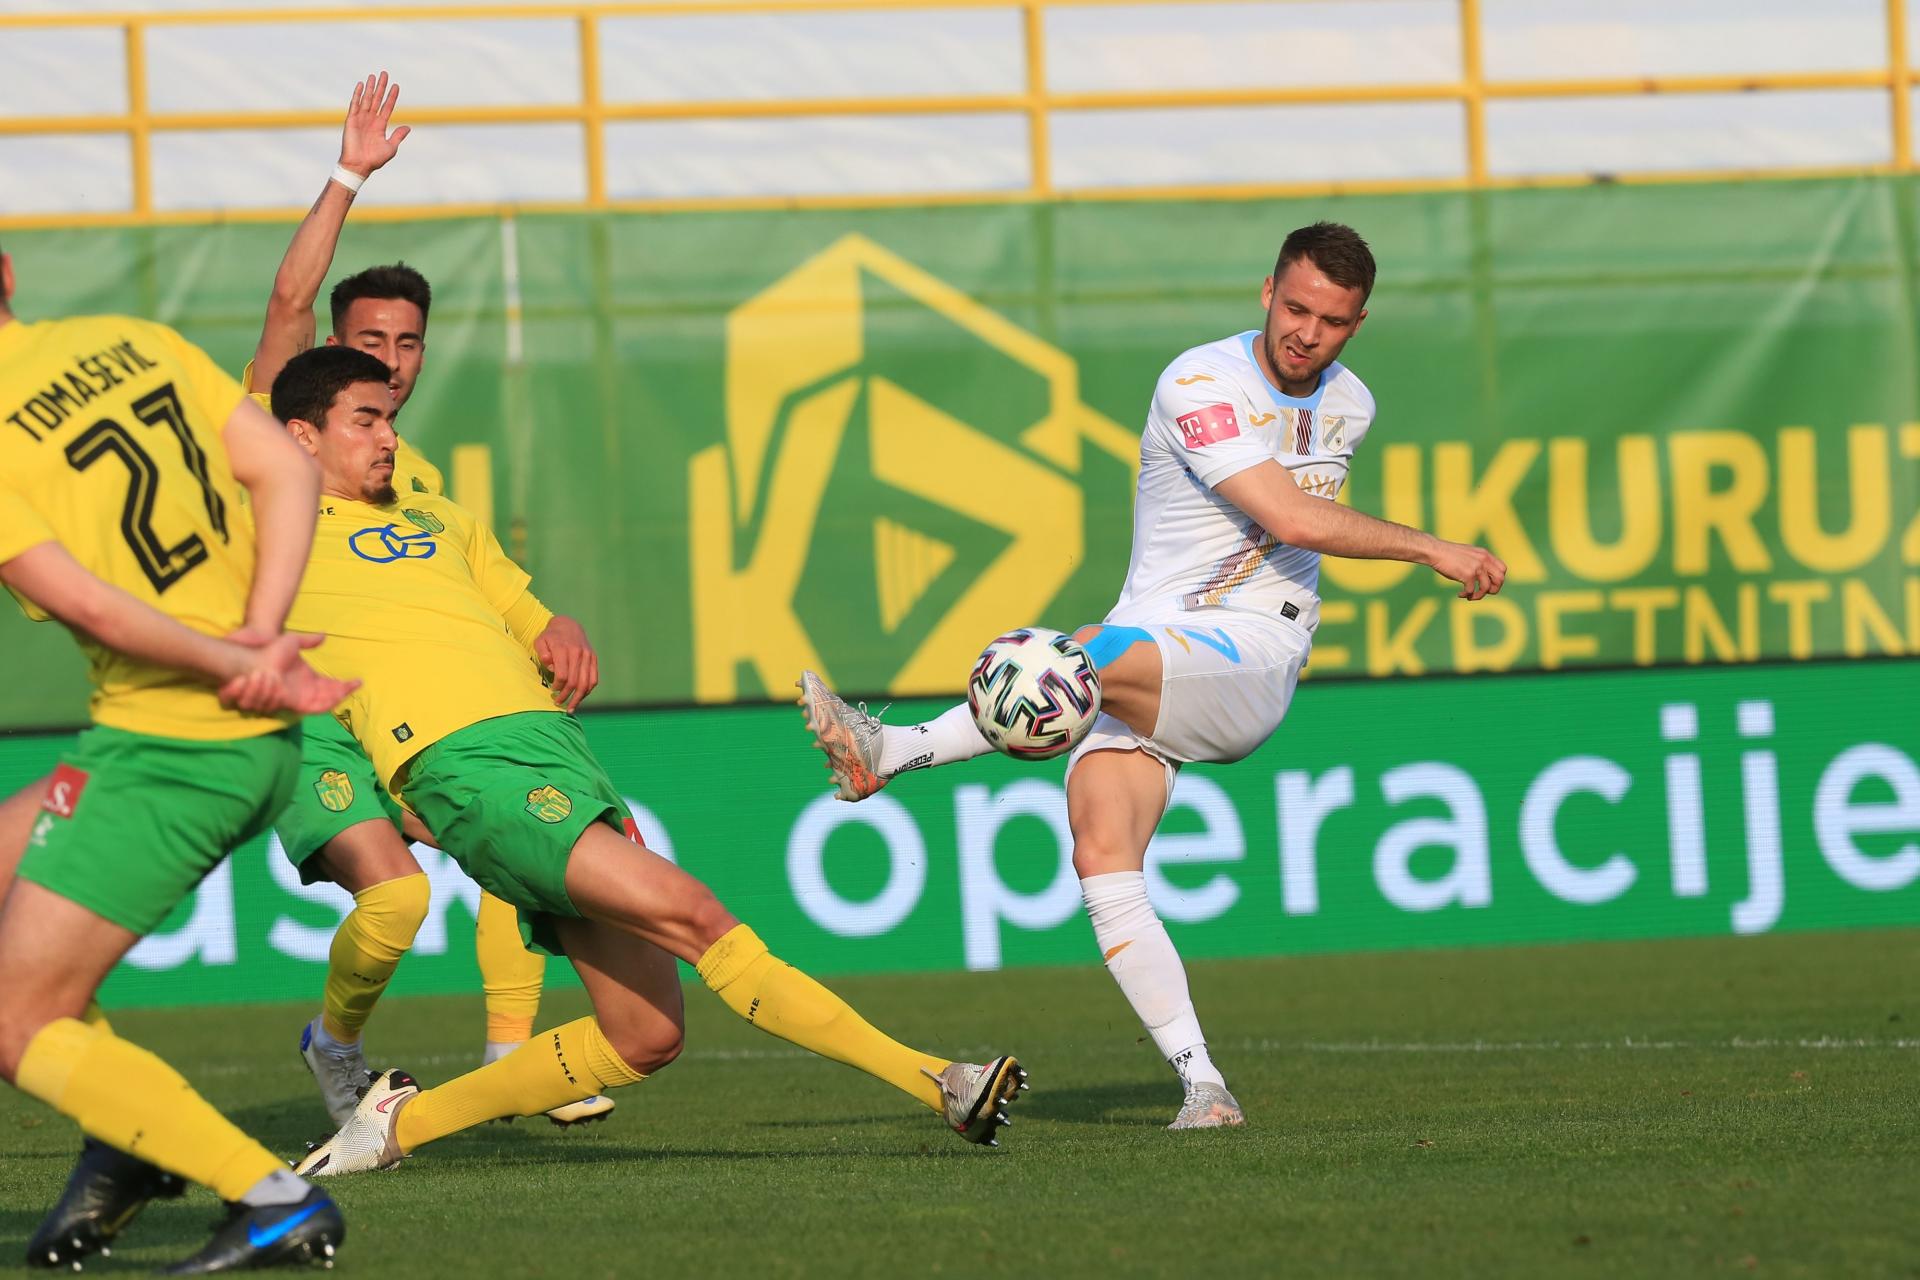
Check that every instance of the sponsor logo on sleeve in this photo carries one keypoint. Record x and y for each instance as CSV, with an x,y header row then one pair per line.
x,y
1207,425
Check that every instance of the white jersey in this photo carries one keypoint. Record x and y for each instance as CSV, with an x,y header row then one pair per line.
x,y
1214,415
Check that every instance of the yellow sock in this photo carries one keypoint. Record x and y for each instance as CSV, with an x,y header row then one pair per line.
x,y
367,949
780,1000
552,1069
510,974
127,1098
96,1017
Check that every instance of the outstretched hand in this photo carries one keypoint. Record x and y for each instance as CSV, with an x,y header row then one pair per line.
x,y
279,679
564,650
365,144
1478,571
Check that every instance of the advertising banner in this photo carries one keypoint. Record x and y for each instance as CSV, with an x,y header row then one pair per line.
x,y
1386,814
736,444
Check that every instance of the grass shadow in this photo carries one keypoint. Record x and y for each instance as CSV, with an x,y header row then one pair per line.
x,y
1142,1105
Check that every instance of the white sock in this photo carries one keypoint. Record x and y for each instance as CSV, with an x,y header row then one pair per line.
x,y
329,1046
498,1049
1141,958
948,738
278,1187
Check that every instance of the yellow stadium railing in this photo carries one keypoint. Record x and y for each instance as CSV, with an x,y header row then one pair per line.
x,y
1473,90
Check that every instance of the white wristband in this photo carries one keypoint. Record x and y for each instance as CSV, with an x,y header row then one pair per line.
x,y
347,178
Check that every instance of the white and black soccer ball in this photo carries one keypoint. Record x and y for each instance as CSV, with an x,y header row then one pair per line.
x,y
1034,693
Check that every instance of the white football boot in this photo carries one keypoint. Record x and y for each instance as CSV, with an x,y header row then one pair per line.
x,y
976,1096
849,737
340,1077
366,1141
585,1111
1208,1106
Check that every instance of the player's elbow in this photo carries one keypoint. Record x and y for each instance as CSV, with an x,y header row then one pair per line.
x,y
1289,525
290,300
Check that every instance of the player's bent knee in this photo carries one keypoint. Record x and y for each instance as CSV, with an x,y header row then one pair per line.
x,y
400,906
649,1051
1098,854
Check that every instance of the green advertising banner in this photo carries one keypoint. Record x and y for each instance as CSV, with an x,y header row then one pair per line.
x,y
1406,813
737,444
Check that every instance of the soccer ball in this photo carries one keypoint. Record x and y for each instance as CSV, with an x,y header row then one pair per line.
x,y
1034,693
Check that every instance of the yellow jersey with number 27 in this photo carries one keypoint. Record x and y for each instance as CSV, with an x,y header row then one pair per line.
x,y
110,445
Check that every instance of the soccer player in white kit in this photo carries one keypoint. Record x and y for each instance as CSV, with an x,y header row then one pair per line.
x,y
1246,446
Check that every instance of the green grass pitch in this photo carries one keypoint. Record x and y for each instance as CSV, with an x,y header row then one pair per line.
x,y
1678,1108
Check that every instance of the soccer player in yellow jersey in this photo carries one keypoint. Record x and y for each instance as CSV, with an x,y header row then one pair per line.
x,y
341,825
418,602
124,455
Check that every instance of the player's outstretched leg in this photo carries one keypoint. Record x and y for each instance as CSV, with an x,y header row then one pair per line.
x,y
863,754
637,1028
1114,802
55,952
512,976
625,885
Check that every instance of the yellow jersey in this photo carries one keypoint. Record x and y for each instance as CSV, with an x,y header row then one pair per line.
x,y
110,445
419,604
412,473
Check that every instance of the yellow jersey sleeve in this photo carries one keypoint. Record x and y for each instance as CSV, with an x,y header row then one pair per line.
x,y
406,595
110,440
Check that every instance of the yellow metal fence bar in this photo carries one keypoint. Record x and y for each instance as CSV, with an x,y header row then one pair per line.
x,y
1900,85
1039,122
1475,91
592,111
139,132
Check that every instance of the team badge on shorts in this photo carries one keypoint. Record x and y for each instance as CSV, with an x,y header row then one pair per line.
x,y
335,790
63,791
549,804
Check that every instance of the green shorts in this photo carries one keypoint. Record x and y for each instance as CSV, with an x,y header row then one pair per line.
x,y
337,789
131,823
508,798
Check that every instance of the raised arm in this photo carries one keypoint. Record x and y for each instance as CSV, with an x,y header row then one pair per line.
x,y
365,145
284,484
1267,492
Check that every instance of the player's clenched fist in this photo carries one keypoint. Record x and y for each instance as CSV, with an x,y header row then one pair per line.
x,y
1478,571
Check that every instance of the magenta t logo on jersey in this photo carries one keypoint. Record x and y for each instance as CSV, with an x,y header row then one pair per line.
x,y
1207,425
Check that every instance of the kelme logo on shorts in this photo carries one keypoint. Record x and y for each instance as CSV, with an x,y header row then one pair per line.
x,y
549,804
335,790
871,514
425,519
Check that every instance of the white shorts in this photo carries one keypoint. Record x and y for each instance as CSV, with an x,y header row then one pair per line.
x,y
1226,679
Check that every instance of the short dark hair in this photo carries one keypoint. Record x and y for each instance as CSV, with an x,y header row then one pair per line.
x,y
306,388
1336,249
395,280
